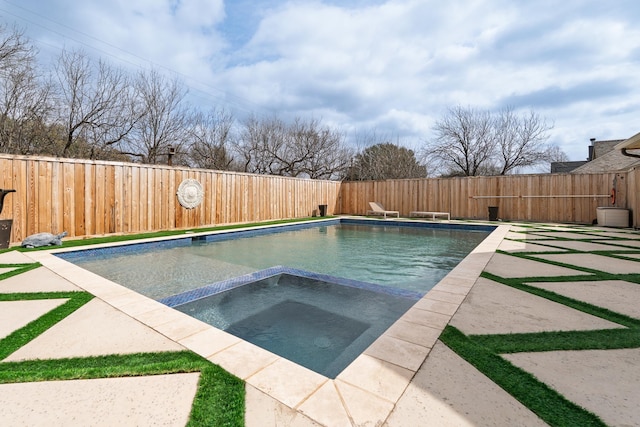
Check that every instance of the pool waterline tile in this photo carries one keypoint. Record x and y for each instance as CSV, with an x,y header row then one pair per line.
x,y
236,282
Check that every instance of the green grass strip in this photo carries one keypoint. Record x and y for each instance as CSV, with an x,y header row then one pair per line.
x,y
22,336
545,402
604,339
19,269
529,256
601,275
219,400
585,307
108,366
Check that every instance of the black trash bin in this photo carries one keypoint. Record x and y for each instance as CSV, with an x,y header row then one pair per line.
x,y
5,233
5,224
493,213
322,209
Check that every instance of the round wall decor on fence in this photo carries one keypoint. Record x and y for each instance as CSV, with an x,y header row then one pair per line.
x,y
190,193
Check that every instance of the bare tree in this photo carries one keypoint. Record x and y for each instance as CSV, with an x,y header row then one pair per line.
x,y
24,99
472,142
386,161
521,140
165,122
14,48
95,103
463,141
315,151
303,148
210,136
259,140
25,109
555,154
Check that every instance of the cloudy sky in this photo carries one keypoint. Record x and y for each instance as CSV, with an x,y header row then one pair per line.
x,y
361,65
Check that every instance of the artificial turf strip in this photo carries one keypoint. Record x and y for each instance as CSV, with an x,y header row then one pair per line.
x,y
602,274
604,339
545,402
585,307
19,268
108,366
219,400
22,336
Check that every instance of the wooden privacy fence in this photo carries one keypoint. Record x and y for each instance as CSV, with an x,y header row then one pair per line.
x,y
90,198
570,198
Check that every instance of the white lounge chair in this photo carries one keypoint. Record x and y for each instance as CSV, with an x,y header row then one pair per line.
x,y
433,215
378,209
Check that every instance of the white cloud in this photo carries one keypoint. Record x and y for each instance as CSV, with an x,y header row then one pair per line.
x,y
390,65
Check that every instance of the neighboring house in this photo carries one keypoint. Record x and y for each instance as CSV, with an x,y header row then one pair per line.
x,y
603,157
607,159
566,167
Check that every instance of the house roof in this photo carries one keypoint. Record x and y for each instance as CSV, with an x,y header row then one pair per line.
x,y
632,143
610,161
566,167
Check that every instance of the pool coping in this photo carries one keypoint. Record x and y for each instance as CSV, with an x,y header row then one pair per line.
x,y
375,379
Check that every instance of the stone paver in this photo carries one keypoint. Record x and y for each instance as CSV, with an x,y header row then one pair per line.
x,y
14,257
634,235
573,236
38,280
605,382
523,246
526,236
616,295
596,262
509,266
130,401
94,329
16,314
4,270
263,410
447,391
629,243
288,382
493,308
602,245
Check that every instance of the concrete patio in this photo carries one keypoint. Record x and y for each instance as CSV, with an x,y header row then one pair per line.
x,y
406,378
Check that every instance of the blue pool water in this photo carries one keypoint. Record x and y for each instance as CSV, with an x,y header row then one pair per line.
x,y
319,325
316,294
412,258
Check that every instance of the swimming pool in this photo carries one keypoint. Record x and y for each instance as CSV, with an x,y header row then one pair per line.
x,y
320,325
337,287
411,256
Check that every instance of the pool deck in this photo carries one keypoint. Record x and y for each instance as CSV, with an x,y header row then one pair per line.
x,y
408,377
